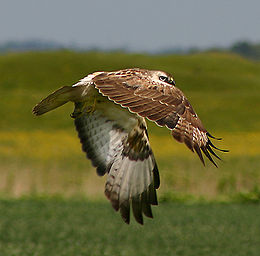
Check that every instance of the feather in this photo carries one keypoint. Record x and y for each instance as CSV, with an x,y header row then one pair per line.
x,y
115,139
125,211
146,207
56,99
137,209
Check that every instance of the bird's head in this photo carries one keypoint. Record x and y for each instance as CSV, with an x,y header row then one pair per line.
x,y
161,76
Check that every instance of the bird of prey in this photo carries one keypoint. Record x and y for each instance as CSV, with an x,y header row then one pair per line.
x,y
109,115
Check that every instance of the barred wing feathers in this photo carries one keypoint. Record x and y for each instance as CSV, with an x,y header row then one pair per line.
x,y
127,159
166,105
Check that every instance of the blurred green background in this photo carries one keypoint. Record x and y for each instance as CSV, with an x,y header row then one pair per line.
x,y
42,155
52,201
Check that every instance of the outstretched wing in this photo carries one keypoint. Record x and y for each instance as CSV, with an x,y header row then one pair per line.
x,y
125,155
164,104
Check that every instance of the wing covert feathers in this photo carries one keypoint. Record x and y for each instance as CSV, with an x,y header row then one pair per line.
x,y
164,105
126,157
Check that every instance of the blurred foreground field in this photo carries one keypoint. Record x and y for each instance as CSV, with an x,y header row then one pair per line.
x,y
42,155
78,227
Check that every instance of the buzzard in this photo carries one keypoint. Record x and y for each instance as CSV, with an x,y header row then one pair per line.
x,y
109,115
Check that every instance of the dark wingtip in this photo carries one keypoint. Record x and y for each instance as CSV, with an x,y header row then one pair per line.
x,y
211,136
126,220
197,149
212,152
125,211
156,176
146,206
208,151
205,151
213,146
140,221
115,204
137,209
149,216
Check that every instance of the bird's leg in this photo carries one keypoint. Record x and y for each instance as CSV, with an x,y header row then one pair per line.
x,y
83,107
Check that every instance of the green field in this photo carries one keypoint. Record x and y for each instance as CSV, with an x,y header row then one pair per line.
x,y
202,210
42,155
79,227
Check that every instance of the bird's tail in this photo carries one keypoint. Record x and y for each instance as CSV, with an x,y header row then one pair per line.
x,y
56,99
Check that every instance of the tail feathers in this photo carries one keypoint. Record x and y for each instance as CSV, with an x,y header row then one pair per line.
x,y
54,100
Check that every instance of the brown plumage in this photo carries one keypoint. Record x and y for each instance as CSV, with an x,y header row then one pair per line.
x,y
110,112
157,101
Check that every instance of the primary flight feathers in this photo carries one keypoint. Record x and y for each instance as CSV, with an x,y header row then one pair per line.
x,y
110,111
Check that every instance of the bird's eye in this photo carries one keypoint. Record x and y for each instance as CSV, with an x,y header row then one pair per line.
x,y
163,78
167,80
171,81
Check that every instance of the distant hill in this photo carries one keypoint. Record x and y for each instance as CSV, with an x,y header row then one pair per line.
x,y
243,48
30,45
